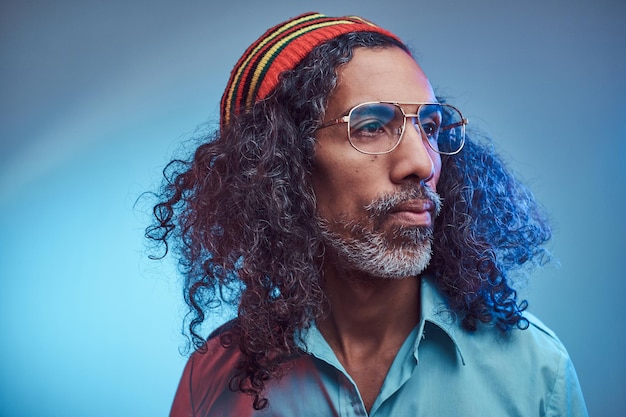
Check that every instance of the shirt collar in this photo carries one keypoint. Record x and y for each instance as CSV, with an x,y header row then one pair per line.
x,y
435,310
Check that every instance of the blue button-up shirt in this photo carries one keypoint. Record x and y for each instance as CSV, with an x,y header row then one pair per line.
x,y
440,370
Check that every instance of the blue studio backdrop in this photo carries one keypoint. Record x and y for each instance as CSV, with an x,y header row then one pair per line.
x,y
96,97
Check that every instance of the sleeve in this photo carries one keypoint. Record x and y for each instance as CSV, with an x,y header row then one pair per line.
x,y
182,405
566,399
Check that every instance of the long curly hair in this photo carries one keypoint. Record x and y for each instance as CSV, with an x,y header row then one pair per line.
x,y
239,214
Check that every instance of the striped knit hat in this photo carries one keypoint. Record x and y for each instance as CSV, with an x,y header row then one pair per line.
x,y
282,48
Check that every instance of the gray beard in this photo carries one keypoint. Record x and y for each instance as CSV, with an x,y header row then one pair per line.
x,y
367,249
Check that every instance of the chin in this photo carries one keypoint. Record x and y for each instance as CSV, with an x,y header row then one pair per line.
x,y
400,264
379,257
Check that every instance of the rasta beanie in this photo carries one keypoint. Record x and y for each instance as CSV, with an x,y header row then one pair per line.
x,y
282,48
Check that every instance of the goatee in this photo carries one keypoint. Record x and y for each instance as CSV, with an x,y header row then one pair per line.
x,y
366,247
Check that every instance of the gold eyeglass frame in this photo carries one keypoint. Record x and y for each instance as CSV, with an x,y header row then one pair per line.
x,y
345,119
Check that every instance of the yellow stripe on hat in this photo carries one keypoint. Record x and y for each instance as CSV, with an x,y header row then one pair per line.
x,y
252,54
269,55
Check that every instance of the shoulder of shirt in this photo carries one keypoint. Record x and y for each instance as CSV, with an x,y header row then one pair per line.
x,y
537,338
224,328
205,387
537,326
213,358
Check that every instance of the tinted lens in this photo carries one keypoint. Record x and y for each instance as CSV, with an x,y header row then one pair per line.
x,y
451,133
375,127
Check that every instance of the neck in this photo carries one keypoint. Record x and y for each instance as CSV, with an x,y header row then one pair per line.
x,y
368,314
369,320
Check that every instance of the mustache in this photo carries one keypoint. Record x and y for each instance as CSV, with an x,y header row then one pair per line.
x,y
385,204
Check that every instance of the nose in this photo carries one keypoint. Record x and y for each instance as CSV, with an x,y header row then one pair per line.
x,y
414,160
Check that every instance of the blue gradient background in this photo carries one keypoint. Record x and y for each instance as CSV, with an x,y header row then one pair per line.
x,y
96,97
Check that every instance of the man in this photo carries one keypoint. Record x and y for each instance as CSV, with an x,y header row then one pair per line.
x,y
366,241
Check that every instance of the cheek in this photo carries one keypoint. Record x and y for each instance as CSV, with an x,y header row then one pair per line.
x,y
436,158
337,184
325,184
331,186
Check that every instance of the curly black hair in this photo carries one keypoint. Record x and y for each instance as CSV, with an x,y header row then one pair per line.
x,y
240,215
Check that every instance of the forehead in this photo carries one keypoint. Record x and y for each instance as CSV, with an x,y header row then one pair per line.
x,y
379,74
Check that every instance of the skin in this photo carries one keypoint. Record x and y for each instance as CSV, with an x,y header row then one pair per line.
x,y
371,317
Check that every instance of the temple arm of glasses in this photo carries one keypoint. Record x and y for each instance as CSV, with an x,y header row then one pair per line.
x,y
457,124
343,119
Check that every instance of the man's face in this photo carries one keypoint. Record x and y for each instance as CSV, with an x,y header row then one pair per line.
x,y
377,211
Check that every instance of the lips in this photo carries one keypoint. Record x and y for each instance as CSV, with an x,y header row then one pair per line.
x,y
414,206
414,212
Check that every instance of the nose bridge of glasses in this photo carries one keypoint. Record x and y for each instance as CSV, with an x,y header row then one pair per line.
x,y
420,111
413,149
412,128
413,119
